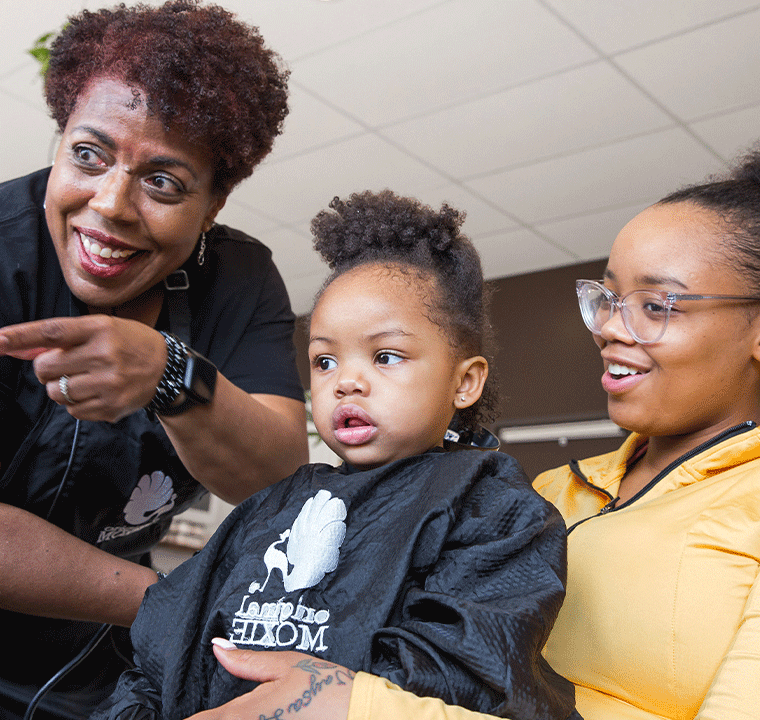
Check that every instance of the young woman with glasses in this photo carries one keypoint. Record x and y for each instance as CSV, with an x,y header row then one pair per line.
x,y
662,614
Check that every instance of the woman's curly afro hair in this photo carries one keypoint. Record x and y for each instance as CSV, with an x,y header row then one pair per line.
x,y
202,72
384,228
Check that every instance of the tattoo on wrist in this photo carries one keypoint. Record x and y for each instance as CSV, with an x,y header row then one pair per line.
x,y
321,674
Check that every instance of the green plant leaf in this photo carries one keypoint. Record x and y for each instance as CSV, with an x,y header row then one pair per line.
x,y
40,51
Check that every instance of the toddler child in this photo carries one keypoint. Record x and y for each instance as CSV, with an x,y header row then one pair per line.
x,y
439,569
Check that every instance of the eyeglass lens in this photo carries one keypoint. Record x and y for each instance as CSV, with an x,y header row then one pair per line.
x,y
645,314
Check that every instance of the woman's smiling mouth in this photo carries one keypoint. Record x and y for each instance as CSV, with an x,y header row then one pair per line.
x,y
622,370
619,378
101,256
96,250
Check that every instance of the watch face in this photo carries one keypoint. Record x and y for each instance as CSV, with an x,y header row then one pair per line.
x,y
200,378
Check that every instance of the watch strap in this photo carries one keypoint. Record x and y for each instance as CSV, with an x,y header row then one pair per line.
x,y
170,385
186,372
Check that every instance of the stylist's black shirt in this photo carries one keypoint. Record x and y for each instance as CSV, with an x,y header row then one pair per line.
x,y
116,486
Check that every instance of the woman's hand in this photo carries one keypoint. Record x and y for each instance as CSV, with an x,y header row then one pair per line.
x,y
113,365
291,683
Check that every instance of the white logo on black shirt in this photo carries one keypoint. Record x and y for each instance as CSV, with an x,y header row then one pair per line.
x,y
154,496
313,544
303,555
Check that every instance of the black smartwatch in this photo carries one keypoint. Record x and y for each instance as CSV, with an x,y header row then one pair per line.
x,y
189,379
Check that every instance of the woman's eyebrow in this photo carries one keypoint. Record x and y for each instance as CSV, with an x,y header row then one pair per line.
x,y
107,140
650,279
170,162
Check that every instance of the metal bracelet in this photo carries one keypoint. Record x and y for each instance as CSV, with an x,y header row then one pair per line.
x,y
170,385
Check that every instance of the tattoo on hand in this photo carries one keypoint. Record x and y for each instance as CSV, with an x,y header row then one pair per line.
x,y
312,665
329,674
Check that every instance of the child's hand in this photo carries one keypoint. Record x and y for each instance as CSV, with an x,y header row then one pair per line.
x,y
290,682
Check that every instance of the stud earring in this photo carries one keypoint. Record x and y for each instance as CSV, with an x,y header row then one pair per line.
x,y
202,249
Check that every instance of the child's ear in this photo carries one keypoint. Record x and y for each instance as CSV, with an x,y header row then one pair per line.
x,y
471,376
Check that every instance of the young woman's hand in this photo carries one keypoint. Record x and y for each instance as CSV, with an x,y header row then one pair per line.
x,y
291,683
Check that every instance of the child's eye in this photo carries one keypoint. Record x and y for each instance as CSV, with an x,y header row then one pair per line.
x,y
325,363
387,358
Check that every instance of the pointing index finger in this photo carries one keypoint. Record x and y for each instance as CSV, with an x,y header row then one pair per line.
x,y
27,340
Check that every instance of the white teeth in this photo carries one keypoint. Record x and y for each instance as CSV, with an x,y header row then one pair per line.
x,y
615,369
95,248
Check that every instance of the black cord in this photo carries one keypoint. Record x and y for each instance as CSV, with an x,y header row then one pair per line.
x,y
68,667
102,630
99,635
65,472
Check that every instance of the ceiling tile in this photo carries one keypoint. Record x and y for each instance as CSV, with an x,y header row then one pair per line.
x,y
238,215
296,189
730,134
581,108
24,22
591,236
614,26
293,252
481,217
24,84
310,124
624,173
295,28
693,79
517,252
453,52
504,94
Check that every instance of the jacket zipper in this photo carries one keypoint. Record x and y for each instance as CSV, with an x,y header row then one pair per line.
x,y
610,506
575,466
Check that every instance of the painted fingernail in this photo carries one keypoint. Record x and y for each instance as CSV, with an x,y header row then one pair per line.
x,y
224,643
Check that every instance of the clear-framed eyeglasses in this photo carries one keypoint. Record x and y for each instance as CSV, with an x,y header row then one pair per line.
x,y
645,313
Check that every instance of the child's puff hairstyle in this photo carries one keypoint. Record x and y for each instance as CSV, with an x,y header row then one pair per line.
x,y
203,73
735,201
402,232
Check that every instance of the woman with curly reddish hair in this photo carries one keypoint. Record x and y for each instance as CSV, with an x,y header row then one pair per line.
x,y
146,352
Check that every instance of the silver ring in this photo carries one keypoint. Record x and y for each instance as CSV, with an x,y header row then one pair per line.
x,y
63,386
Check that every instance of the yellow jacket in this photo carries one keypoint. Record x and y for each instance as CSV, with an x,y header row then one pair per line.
x,y
662,614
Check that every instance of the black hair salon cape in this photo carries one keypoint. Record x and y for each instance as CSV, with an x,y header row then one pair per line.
x,y
442,572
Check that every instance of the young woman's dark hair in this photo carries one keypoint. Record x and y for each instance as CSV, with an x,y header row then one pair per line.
x,y
402,232
203,72
735,201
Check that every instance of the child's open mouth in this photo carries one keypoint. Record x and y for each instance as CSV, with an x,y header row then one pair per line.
x,y
352,426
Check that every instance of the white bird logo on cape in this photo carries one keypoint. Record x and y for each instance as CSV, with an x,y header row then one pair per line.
x,y
313,544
